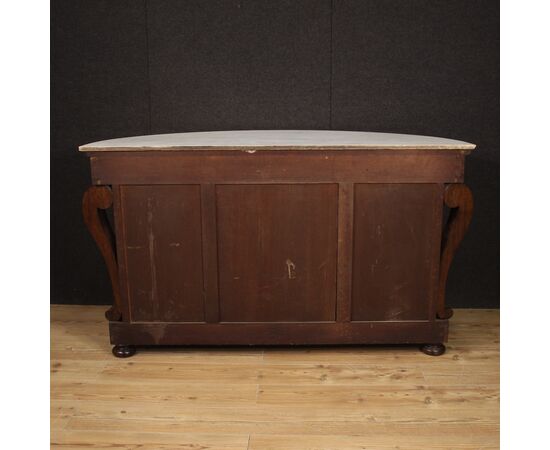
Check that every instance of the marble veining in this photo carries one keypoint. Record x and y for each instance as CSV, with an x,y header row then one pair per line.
x,y
276,139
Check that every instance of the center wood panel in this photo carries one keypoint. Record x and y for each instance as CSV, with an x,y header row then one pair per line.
x,y
162,229
397,237
277,248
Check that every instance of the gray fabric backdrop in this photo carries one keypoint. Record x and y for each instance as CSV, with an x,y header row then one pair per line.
x,y
131,67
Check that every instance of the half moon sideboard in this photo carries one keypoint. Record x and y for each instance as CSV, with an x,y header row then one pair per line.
x,y
285,237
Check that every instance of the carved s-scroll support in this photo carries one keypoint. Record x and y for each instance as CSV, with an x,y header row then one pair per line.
x,y
459,199
94,203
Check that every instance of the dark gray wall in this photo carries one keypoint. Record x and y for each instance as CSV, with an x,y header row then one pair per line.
x,y
129,67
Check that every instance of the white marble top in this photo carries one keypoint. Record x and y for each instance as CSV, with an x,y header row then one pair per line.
x,y
276,139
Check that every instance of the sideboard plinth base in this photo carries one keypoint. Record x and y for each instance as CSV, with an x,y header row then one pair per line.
x,y
303,333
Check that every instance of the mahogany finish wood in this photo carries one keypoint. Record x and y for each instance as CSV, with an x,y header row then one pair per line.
x,y
280,166
345,251
278,246
273,333
397,240
94,203
163,252
459,198
210,253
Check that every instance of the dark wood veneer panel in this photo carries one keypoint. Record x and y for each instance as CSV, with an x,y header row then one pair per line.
x,y
345,251
313,333
277,247
162,228
278,166
396,250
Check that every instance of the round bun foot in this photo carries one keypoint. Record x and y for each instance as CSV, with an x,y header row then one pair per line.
x,y
433,349
124,351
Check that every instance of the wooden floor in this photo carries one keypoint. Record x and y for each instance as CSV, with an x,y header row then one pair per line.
x,y
279,398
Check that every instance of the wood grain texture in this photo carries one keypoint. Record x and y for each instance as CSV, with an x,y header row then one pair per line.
x,y
277,247
95,201
118,216
345,251
281,166
331,246
397,235
162,229
459,199
210,253
279,333
278,398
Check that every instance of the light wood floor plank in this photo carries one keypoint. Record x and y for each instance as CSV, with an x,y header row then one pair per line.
x,y
265,414
416,439
140,439
315,398
423,432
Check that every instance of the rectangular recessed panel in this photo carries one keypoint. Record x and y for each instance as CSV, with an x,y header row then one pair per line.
x,y
277,248
162,235
396,248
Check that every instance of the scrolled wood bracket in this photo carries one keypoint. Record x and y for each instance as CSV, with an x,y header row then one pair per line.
x,y
94,203
459,199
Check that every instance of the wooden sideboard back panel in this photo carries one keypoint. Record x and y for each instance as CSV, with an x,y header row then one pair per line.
x,y
277,248
396,250
163,252
271,252
342,238
310,238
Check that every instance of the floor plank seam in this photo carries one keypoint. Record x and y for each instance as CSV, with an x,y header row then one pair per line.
x,y
314,398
